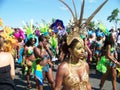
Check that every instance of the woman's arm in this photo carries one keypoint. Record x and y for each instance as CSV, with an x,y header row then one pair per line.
x,y
48,50
37,52
24,56
59,78
12,67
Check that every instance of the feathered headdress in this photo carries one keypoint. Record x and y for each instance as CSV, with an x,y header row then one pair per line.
x,y
44,28
19,33
103,29
29,30
1,22
78,26
57,25
10,41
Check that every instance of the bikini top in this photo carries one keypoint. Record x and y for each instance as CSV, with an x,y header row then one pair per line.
x,y
45,54
112,50
74,81
30,52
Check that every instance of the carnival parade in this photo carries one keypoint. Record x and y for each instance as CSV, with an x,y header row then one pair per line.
x,y
82,55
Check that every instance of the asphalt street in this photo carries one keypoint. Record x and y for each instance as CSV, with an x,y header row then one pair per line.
x,y
20,81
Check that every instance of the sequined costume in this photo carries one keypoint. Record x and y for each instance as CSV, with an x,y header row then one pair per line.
x,y
76,82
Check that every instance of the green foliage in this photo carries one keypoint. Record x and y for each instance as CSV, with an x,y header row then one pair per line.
x,y
114,16
91,25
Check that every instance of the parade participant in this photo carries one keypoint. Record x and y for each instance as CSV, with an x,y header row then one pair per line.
x,y
61,49
92,40
73,73
28,58
109,51
41,52
98,46
57,33
20,36
53,41
7,69
87,47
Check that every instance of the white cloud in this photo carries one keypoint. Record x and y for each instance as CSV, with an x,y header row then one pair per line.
x,y
63,8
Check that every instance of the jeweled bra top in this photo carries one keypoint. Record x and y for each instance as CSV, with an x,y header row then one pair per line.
x,y
73,80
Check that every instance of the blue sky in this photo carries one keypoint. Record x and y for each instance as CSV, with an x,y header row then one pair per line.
x,y
14,12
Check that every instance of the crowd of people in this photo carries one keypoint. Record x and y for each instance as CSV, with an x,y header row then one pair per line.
x,y
35,49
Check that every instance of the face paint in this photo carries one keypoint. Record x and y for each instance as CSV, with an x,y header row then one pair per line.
x,y
79,51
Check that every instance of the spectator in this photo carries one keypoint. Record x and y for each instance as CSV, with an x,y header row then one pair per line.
x,y
7,70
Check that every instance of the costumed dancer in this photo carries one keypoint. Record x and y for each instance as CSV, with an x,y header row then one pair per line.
x,y
42,52
109,52
98,46
54,45
75,67
92,40
41,62
57,35
47,45
19,34
73,74
28,54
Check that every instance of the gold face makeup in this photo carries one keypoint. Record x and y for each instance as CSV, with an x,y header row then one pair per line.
x,y
79,51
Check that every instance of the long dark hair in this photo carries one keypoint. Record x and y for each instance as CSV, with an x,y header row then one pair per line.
x,y
29,42
65,47
109,41
41,38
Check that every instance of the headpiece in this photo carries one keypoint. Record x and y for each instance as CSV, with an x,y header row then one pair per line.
x,y
57,25
44,28
10,41
19,34
78,26
103,29
74,35
29,30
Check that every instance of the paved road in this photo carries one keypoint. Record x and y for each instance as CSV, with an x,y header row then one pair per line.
x,y
94,79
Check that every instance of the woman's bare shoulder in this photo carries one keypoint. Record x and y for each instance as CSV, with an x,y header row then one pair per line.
x,y
63,65
5,53
8,53
6,58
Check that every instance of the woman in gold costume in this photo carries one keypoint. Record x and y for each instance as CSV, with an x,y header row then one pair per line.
x,y
73,74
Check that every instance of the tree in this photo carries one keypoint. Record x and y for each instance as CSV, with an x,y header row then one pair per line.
x,y
91,25
114,17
